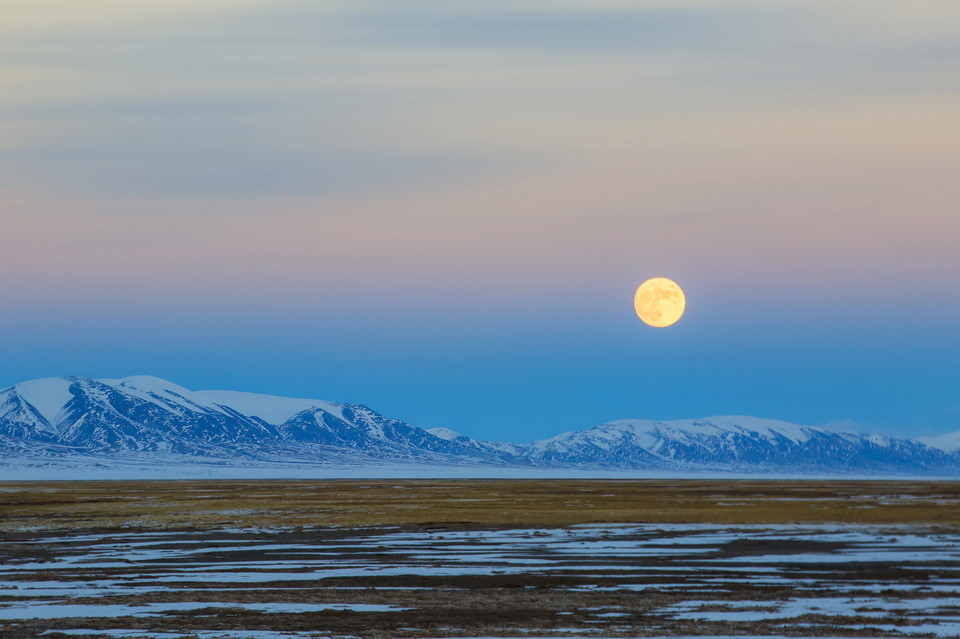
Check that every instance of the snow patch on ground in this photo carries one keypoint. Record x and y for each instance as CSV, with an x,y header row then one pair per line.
x,y
679,558
197,634
68,611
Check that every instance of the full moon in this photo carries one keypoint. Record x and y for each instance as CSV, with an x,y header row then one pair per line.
x,y
659,302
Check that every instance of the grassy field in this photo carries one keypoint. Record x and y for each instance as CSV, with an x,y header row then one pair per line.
x,y
212,504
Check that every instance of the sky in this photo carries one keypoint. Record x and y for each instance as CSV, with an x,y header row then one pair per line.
x,y
442,209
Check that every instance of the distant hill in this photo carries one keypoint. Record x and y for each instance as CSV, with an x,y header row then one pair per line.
x,y
147,419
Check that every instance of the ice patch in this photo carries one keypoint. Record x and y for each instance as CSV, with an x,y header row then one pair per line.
x,y
691,562
194,634
66,611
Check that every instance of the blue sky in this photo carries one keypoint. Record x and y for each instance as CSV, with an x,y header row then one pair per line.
x,y
442,210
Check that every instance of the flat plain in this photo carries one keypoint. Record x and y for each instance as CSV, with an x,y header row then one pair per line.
x,y
472,558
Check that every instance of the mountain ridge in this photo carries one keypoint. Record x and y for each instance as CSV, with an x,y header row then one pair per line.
x,y
147,417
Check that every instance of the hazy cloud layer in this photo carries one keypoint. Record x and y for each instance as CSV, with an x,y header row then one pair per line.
x,y
455,169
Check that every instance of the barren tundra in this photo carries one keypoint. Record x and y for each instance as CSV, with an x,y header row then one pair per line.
x,y
479,558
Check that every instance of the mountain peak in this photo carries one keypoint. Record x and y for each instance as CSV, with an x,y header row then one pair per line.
x,y
56,418
47,396
146,383
445,433
719,426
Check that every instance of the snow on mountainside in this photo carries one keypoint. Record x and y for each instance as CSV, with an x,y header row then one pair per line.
x,y
47,396
138,418
271,409
136,415
949,442
741,444
445,433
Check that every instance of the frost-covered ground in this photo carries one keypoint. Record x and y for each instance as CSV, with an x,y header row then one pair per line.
x,y
146,466
624,580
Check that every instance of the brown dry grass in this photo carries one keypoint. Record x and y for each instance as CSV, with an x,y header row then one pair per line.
x,y
209,504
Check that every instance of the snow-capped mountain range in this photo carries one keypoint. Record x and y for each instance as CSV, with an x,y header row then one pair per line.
x,y
150,419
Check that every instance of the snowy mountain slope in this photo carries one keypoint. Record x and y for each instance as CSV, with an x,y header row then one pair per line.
x,y
140,418
949,442
447,434
737,444
76,415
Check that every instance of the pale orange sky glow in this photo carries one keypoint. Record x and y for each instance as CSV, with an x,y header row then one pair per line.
x,y
522,165
151,150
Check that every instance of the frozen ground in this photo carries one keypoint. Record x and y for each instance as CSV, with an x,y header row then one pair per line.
x,y
580,581
147,467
